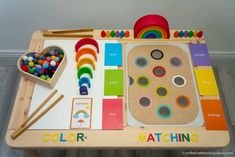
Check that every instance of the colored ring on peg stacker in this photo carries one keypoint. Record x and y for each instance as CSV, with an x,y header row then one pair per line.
x,y
84,70
83,61
84,80
85,51
86,41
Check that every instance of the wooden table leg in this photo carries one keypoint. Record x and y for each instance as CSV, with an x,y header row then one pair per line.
x,y
32,153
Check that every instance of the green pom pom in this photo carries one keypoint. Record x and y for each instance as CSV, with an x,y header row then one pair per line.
x,y
43,77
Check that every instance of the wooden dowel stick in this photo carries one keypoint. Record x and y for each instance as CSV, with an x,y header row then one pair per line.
x,y
17,133
72,31
68,35
39,108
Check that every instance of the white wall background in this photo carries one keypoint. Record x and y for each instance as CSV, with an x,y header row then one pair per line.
x,y
19,18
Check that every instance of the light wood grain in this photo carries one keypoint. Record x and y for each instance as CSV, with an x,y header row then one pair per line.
x,y
68,35
6,151
147,115
39,108
108,139
72,31
21,130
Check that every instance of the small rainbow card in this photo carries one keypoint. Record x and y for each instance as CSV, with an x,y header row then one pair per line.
x,y
81,113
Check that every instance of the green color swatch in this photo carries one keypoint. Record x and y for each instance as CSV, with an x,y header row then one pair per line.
x,y
113,85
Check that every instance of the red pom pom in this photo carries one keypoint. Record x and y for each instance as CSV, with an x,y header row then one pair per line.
x,y
46,72
24,68
57,64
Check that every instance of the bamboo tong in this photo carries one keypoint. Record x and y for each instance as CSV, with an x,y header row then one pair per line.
x,y
31,120
73,33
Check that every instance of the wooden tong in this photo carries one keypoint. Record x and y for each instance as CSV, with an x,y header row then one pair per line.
x,y
25,125
80,33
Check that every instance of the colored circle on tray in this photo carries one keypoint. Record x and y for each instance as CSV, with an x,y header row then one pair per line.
x,y
182,101
161,91
159,71
144,101
141,62
179,81
143,81
175,61
164,111
131,80
157,54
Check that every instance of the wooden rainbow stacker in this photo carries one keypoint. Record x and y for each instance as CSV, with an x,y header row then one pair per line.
x,y
150,87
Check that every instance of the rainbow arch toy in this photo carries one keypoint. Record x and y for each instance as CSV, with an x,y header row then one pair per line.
x,y
151,26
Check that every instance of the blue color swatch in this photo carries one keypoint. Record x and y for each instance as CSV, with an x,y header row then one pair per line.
x,y
113,54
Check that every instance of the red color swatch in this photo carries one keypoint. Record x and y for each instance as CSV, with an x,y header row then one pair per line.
x,y
112,118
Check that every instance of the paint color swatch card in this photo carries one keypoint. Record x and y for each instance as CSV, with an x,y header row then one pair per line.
x,y
214,115
113,54
200,55
206,81
113,85
112,114
81,113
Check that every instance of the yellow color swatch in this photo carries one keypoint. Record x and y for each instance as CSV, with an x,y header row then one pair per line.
x,y
206,81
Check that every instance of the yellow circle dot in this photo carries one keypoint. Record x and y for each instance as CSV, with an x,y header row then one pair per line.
x,y
107,34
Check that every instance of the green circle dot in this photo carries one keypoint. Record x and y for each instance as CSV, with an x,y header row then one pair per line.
x,y
190,33
112,34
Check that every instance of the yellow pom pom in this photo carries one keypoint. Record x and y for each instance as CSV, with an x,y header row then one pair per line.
x,y
31,64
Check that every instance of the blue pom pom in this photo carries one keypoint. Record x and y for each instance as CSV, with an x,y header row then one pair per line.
x,y
45,65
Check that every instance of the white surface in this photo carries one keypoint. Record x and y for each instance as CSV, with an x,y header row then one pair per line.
x,y
198,121
59,116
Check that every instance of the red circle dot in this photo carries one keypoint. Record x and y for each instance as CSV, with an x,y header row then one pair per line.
x,y
200,34
127,34
159,71
176,34
103,34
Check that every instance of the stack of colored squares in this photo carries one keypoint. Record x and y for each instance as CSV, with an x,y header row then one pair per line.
x,y
44,64
113,86
85,58
207,86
